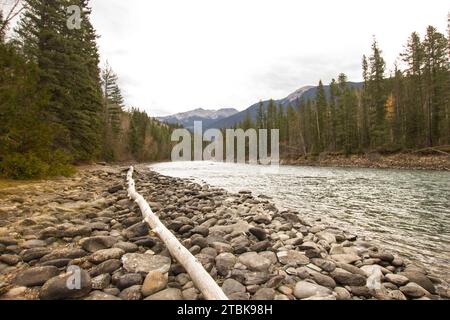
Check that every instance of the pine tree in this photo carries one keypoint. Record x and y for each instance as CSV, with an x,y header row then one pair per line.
x,y
321,108
68,70
365,103
413,56
113,102
377,95
436,86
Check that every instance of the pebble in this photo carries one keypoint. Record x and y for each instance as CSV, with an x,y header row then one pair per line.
x,y
35,276
167,294
94,244
137,263
131,293
304,289
254,261
154,281
57,289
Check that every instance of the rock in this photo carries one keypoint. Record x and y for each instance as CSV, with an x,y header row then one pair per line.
x,y
397,279
348,279
106,254
66,253
7,241
34,253
264,294
351,268
126,246
36,276
328,237
384,256
71,285
190,294
396,295
137,263
131,293
361,291
154,281
167,294
108,266
115,189
128,280
101,282
94,244
345,258
421,279
200,241
112,291
30,244
137,230
275,281
249,277
259,233
325,265
259,246
148,242
17,293
262,219
292,258
342,293
59,263
230,286
75,231
413,290
254,261
323,280
99,295
200,230
10,259
304,289
183,278
225,262
222,247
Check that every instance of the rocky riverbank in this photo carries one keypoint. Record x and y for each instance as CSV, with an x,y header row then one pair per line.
x,y
85,228
393,161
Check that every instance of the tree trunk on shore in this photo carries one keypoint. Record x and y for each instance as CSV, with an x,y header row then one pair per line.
x,y
201,278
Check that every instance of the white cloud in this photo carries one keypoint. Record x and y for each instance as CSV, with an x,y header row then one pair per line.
x,y
175,55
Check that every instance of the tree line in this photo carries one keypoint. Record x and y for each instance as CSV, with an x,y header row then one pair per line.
x,y
408,109
57,107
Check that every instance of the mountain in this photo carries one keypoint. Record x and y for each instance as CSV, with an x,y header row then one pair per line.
x,y
307,92
186,119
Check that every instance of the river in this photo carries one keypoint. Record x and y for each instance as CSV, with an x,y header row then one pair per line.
x,y
407,211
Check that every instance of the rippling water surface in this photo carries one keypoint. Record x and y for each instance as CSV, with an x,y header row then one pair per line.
x,y
405,210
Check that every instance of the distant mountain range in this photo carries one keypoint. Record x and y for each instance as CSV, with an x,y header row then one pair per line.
x,y
186,119
227,118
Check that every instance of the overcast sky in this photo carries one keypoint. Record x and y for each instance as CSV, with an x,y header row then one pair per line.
x,y
177,55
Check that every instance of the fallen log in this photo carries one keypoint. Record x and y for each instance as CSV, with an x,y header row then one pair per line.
x,y
201,278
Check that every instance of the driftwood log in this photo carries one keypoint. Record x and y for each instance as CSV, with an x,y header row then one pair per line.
x,y
201,278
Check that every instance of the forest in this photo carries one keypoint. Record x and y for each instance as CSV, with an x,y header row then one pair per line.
x,y
57,106
407,110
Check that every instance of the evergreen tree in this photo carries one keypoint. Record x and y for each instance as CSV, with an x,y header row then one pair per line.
x,y
436,86
377,95
413,57
321,107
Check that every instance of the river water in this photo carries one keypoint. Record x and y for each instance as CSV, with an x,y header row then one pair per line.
x,y
407,211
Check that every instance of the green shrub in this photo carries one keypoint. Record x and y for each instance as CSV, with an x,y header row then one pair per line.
x,y
23,166
30,166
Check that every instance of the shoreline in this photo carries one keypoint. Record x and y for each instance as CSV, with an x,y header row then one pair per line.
x,y
398,161
253,250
